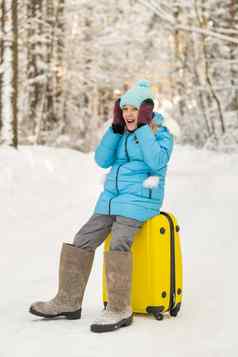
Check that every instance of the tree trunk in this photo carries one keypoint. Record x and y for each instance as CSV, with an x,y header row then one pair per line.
x,y
15,72
178,62
59,60
35,72
9,79
1,57
203,24
209,124
50,21
233,8
201,99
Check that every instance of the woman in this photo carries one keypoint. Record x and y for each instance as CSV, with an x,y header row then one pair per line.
x,y
137,148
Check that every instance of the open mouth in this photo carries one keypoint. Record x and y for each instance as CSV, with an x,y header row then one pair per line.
x,y
130,121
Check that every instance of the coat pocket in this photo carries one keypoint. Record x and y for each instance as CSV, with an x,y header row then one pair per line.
x,y
146,192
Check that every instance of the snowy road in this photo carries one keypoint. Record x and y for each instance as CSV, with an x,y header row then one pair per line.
x,y
45,196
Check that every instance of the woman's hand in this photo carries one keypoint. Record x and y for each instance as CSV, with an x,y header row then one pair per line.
x,y
145,113
118,123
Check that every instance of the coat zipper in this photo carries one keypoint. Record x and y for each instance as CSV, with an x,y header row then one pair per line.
x,y
126,150
109,207
172,300
117,177
128,159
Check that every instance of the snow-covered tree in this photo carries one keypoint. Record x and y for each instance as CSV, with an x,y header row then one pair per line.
x,y
9,84
74,55
36,68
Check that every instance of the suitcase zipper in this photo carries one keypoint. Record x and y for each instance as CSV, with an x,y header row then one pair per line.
x,y
172,301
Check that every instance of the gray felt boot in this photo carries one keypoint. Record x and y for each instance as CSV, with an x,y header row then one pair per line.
x,y
118,313
74,270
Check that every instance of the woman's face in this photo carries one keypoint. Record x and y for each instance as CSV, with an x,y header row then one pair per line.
x,y
130,115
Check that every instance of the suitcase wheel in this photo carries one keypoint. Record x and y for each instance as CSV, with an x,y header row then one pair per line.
x,y
175,310
158,316
156,312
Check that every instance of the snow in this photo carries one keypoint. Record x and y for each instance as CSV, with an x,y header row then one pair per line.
x,y
47,194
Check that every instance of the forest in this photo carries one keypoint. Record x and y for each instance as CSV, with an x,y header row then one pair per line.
x,y
63,62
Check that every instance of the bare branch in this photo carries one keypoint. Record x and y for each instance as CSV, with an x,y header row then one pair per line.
x,y
156,8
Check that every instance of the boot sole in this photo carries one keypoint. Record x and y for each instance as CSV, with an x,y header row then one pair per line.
x,y
112,327
75,315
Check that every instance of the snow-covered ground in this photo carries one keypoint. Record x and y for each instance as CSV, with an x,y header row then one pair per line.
x,y
46,194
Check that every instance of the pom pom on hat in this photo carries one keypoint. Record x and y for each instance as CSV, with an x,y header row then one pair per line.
x,y
143,83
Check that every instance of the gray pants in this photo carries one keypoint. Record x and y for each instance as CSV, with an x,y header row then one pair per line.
x,y
96,230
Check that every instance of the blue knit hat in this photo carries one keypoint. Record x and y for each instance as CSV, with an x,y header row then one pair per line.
x,y
136,95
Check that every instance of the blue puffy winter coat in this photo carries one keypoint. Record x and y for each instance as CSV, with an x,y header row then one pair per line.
x,y
133,157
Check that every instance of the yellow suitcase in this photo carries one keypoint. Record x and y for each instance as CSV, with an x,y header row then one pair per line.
x,y
157,267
